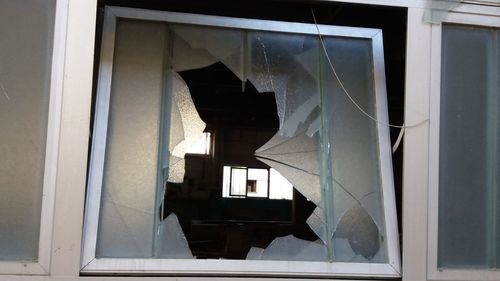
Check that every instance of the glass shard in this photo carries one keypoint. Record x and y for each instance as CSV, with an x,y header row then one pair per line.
x,y
186,126
358,227
226,45
296,158
255,253
294,249
173,243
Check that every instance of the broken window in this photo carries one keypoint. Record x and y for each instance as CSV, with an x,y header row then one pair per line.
x,y
278,116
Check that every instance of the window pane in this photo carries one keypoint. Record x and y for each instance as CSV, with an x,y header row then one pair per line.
x,y
357,185
257,182
238,181
469,183
126,220
26,29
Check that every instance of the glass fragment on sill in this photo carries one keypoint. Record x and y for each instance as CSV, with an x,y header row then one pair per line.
x,y
255,253
173,242
290,248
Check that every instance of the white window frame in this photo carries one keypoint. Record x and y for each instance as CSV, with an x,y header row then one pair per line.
x,y
42,265
464,15
91,264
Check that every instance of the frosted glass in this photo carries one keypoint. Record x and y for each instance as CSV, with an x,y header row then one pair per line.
x,y
469,140
126,222
26,29
353,145
294,66
280,63
225,45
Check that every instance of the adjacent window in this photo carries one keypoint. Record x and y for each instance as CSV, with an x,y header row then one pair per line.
x,y
267,93
25,68
241,182
469,148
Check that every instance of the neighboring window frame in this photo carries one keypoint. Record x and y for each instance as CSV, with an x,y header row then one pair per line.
x,y
467,15
51,152
91,264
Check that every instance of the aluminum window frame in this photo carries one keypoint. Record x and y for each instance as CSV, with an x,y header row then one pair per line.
x,y
467,16
42,265
92,265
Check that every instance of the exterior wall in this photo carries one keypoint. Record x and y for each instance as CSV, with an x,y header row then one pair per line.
x,y
74,47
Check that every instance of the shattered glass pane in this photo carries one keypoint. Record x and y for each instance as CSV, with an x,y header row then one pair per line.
x,y
255,253
210,193
26,29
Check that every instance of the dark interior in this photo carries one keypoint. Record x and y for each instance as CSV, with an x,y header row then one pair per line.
x,y
241,121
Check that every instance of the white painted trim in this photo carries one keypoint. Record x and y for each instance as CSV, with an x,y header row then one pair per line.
x,y
42,266
91,264
212,267
74,138
415,160
54,125
479,16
